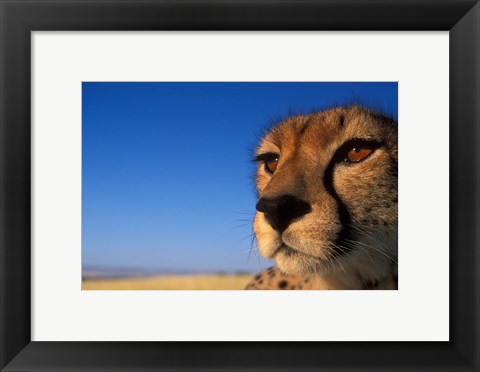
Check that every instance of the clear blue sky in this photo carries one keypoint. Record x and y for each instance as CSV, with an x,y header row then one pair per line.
x,y
166,167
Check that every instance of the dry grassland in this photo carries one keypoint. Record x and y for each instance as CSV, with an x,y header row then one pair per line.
x,y
180,282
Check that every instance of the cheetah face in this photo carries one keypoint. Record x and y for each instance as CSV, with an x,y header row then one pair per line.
x,y
327,186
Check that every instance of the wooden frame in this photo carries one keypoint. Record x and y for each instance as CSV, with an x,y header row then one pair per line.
x,y
19,17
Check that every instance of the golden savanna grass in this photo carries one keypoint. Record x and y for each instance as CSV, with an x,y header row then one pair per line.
x,y
179,282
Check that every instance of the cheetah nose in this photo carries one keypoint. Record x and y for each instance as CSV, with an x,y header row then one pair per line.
x,y
282,210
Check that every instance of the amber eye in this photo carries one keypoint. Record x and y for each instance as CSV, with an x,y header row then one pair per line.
x,y
271,164
357,154
270,160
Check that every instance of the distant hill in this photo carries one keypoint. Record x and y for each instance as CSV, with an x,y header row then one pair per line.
x,y
95,272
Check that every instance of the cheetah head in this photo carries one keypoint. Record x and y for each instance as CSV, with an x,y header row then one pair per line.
x,y
327,187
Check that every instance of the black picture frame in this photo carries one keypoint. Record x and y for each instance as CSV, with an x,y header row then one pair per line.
x,y
18,18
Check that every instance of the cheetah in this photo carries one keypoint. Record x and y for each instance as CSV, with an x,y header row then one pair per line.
x,y
327,210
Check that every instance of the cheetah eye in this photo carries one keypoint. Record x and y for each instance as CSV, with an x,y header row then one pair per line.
x,y
356,150
271,165
357,154
270,160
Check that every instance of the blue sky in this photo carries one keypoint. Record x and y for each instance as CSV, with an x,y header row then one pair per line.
x,y
166,167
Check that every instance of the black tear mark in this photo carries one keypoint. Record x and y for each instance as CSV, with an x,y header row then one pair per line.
x,y
343,214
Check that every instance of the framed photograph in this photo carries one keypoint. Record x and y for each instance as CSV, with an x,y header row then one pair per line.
x,y
239,185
